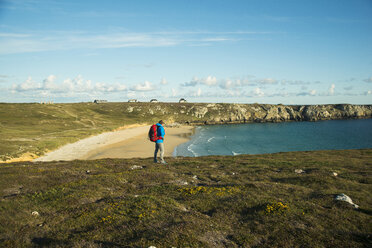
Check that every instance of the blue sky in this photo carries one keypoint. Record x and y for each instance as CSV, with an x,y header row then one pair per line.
x,y
247,51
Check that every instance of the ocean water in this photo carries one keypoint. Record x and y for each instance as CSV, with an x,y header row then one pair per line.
x,y
259,138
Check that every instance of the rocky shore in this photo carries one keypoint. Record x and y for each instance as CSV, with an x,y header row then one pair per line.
x,y
218,113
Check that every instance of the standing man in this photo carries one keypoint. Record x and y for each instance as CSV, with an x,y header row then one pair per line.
x,y
159,145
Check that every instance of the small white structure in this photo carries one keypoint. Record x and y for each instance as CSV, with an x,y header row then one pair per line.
x,y
182,100
100,101
154,100
132,100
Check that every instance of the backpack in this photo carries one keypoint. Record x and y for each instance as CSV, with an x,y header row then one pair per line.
x,y
153,135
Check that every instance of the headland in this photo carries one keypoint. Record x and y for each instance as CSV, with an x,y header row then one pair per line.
x,y
32,130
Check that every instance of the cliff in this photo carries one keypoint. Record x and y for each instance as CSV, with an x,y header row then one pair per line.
x,y
29,130
218,113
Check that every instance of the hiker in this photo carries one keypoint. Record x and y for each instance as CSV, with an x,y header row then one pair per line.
x,y
159,145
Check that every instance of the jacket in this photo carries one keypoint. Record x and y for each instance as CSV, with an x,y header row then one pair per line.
x,y
160,133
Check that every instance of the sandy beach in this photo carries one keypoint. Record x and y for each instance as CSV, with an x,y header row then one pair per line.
x,y
126,143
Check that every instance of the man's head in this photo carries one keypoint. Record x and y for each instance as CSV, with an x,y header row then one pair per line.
x,y
161,122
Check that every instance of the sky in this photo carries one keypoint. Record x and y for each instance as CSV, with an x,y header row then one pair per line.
x,y
230,51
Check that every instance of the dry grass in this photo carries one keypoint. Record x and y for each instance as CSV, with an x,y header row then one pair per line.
x,y
217,201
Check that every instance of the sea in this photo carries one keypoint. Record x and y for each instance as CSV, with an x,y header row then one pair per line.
x,y
260,138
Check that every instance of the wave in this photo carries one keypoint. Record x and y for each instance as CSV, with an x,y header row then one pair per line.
x,y
235,153
210,139
191,150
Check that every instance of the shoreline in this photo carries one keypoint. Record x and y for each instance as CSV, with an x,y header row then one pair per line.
x,y
123,143
140,147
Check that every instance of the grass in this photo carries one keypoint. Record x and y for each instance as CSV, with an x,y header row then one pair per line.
x,y
216,201
37,128
29,130
33,129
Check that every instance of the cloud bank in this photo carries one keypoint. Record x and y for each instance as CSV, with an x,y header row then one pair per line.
x,y
70,86
197,88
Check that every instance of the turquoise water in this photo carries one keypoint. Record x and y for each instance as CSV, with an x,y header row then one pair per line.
x,y
258,138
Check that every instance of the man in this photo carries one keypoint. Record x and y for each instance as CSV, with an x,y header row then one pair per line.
x,y
159,144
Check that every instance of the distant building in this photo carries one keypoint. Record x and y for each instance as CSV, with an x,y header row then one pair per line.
x,y
49,102
132,100
154,100
100,101
182,100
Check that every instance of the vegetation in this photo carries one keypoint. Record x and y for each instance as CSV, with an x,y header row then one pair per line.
x,y
30,130
216,201
38,128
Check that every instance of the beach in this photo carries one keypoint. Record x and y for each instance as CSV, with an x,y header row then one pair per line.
x,y
140,146
129,142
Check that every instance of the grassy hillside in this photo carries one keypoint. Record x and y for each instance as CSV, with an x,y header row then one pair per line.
x,y
217,201
33,129
37,128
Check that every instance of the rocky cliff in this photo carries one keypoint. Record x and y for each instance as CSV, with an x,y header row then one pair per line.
x,y
218,113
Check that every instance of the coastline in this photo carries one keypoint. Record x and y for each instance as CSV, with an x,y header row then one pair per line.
x,y
140,147
125,143
52,125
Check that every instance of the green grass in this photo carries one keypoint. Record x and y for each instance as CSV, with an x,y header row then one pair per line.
x,y
38,128
228,201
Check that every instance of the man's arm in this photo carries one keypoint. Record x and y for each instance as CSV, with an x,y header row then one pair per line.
x,y
161,132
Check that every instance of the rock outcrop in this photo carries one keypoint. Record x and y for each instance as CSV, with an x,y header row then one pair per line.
x,y
222,113
345,198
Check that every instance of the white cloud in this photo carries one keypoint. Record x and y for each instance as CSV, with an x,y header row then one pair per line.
x,y
79,84
67,40
48,83
192,83
267,81
331,90
174,92
294,82
225,84
307,93
68,86
258,92
209,81
28,85
228,84
146,86
131,94
163,81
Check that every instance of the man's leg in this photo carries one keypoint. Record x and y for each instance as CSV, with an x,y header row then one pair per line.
x,y
156,152
161,147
